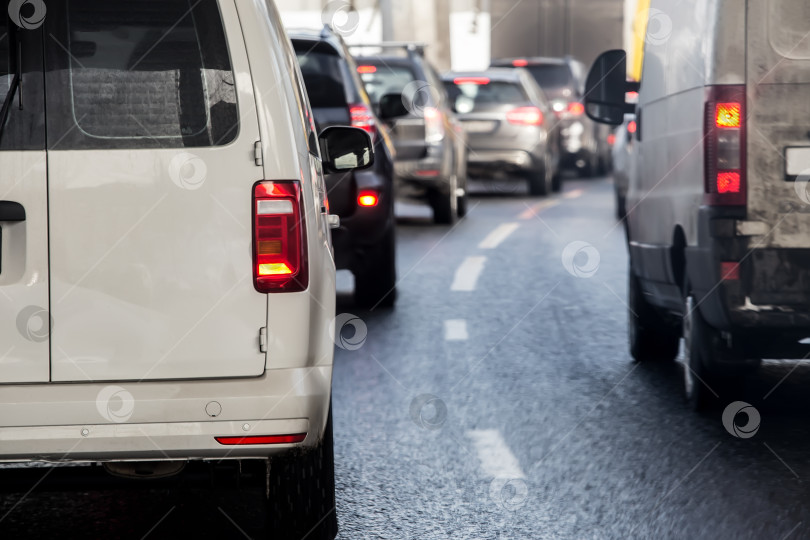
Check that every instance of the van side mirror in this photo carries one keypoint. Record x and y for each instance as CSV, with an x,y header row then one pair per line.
x,y
392,106
346,149
606,89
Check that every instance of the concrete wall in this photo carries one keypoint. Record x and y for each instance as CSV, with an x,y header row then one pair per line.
x,y
583,28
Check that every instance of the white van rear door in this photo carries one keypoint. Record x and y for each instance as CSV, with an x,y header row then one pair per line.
x,y
152,125
24,319
778,126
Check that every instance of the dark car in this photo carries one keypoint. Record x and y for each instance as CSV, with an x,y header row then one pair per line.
x,y
583,143
429,140
510,126
365,243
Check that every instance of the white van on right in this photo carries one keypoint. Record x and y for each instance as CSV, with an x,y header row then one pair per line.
x,y
718,211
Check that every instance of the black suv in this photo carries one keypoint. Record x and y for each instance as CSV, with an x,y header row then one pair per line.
x,y
430,142
365,243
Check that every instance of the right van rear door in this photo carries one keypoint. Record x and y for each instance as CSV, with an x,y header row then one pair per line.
x,y
152,130
778,129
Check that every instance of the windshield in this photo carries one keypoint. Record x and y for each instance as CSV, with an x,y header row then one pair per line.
x,y
383,79
475,96
555,79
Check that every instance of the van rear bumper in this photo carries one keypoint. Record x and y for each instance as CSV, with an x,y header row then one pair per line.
x,y
772,294
162,420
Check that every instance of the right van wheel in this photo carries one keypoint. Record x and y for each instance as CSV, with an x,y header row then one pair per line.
x,y
706,389
301,493
444,207
650,337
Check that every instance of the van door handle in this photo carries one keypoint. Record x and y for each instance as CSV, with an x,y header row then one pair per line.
x,y
11,211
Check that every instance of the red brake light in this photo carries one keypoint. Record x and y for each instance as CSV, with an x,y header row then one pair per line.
x,y
520,62
725,144
728,115
576,108
526,116
471,80
363,118
262,439
366,69
730,271
368,199
611,139
632,127
279,238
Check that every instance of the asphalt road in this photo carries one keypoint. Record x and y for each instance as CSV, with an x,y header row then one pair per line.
x,y
498,400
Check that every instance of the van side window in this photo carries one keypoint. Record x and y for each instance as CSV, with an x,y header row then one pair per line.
x,y
140,74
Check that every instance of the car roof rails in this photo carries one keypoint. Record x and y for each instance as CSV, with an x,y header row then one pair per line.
x,y
410,46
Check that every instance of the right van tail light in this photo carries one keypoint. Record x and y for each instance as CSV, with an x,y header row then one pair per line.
x,y
725,146
279,238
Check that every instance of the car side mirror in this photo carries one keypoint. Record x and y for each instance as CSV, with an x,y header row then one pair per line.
x,y
606,89
346,149
392,106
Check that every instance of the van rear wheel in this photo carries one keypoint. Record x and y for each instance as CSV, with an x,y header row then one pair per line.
x,y
650,337
301,492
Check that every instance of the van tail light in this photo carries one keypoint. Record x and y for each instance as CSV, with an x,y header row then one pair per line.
x,y
363,118
725,144
279,238
434,125
526,116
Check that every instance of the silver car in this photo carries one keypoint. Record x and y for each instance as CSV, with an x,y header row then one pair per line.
x,y
510,126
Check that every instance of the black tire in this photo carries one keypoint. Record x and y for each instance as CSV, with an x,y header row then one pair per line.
x,y
539,182
442,204
621,207
375,285
301,493
650,337
557,182
461,205
705,388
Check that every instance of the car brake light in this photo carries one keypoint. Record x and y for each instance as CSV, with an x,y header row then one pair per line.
x,y
632,127
367,198
262,439
434,125
730,271
520,62
480,81
725,182
279,238
363,118
366,69
526,116
611,139
576,108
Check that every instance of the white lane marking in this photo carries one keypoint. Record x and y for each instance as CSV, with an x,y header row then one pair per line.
x,y
468,273
535,209
497,460
497,237
575,194
456,330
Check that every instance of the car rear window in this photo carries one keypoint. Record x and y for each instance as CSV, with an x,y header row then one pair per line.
x,y
380,80
553,78
473,96
138,74
323,77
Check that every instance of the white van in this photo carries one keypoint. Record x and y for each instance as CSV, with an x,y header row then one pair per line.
x,y
718,212
167,275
